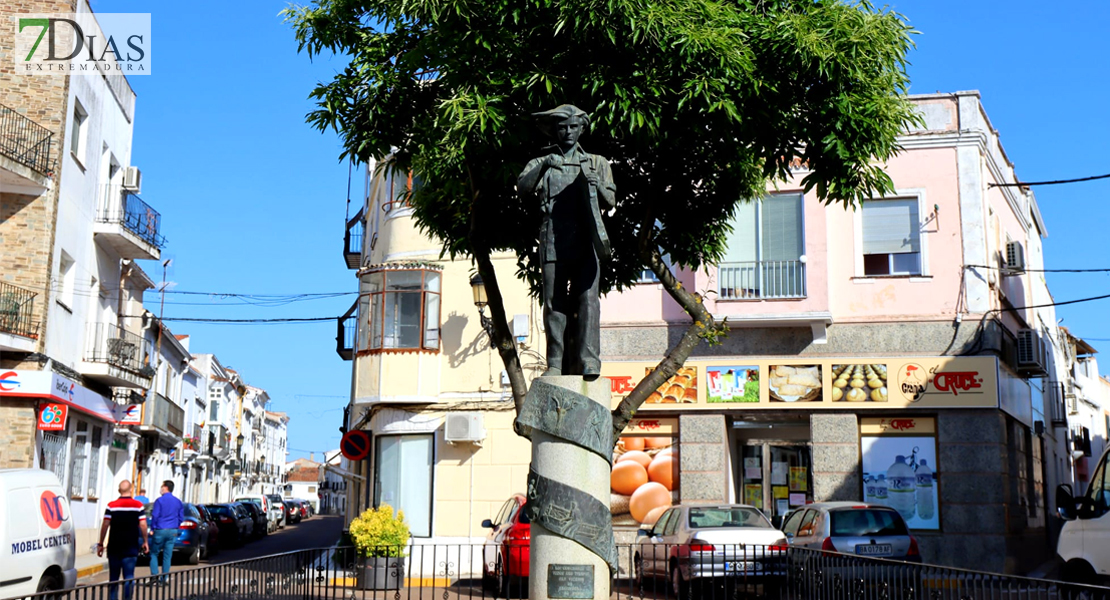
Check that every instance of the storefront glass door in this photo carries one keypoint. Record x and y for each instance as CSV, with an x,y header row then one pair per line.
x,y
775,477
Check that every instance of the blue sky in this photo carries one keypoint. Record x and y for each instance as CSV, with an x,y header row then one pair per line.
x,y
253,200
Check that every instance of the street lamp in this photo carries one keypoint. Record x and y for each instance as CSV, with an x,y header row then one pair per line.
x,y
478,287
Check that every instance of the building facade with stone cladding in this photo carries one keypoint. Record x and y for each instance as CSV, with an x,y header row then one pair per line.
x,y
68,242
914,283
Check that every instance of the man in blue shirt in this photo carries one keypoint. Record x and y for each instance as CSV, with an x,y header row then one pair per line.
x,y
142,497
165,520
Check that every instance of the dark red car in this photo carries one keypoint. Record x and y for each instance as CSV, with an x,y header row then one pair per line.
x,y
505,564
213,546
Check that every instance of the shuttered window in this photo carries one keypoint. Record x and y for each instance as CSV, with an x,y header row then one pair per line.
x,y
763,258
891,237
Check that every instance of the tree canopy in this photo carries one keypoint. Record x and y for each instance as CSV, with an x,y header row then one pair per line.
x,y
697,104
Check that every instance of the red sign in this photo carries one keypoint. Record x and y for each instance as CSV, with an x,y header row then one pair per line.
x,y
355,445
53,417
50,505
957,382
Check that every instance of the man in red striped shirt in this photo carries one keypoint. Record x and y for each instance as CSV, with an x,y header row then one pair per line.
x,y
127,520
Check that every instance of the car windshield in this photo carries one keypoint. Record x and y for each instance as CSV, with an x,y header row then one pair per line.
x,y
220,510
255,501
726,516
866,522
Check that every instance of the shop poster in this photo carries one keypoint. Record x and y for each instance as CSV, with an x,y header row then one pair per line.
x,y
798,479
753,495
900,471
644,480
732,384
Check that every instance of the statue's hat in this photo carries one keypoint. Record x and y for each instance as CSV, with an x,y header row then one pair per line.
x,y
546,118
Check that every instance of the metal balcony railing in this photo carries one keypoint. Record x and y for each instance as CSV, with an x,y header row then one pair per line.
x,y
121,206
346,329
352,241
761,280
17,308
112,344
161,412
1056,404
25,141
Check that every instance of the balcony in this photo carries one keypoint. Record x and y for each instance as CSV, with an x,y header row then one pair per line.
x,y
761,280
218,442
162,416
346,327
128,225
18,330
352,241
25,159
116,357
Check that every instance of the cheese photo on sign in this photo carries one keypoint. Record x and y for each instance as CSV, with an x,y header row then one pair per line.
x,y
794,383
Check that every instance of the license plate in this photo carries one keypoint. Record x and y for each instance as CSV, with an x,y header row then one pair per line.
x,y
736,567
873,549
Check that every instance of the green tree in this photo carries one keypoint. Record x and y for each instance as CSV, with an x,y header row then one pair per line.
x,y
697,103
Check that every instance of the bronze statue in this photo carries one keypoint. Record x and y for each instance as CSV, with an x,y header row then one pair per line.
x,y
573,188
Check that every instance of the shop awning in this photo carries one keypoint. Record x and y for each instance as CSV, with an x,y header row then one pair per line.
x,y
50,386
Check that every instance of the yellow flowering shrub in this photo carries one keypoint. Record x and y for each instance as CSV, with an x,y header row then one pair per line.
x,y
377,532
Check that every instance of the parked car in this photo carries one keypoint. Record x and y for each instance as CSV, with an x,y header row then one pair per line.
x,y
263,503
292,511
506,550
721,543
872,530
260,521
235,524
213,530
277,510
37,541
302,506
1084,544
192,536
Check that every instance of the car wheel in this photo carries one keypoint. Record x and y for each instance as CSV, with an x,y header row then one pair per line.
x,y
500,579
1078,571
638,569
194,557
50,583
679,587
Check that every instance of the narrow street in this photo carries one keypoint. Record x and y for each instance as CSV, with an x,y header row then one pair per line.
x,y
317,532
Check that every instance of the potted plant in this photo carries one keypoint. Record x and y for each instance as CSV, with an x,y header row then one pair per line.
x,y
380,538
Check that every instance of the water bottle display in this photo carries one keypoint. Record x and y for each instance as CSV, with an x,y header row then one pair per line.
x,y
902,488
925,506
881,490
868,488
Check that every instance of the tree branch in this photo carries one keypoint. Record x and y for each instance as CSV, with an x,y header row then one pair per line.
x,y
703,326
502,337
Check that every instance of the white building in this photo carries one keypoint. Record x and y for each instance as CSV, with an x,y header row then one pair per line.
x,y
302,481
333,484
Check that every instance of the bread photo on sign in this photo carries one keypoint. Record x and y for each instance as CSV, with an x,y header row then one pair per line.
x,y
794,383
680,389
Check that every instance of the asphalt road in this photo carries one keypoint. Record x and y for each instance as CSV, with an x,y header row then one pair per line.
x,y
316,532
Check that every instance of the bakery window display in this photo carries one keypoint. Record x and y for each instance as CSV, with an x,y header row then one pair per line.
x,y
794,383
644,479
680,389
859,383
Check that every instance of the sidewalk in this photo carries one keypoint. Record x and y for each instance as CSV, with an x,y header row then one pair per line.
x,y
90,564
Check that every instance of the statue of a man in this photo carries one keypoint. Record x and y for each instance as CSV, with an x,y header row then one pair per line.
x,y
573,188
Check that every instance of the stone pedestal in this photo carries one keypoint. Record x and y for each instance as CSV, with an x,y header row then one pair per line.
x,y
575,466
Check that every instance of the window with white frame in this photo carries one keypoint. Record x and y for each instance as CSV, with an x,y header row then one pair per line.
x,y
765,250
891,237
79,465
67,271
95,441
399,310
79,133
404,475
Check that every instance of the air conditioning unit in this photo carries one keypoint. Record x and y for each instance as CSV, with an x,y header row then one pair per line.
x,y
464,427
1069,390
133,179
1015,258
1031,353
1073,405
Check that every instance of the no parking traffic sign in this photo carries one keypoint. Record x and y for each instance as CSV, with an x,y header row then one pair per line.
x,y
355,445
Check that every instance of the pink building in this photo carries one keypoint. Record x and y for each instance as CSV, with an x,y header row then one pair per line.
x,y
869,342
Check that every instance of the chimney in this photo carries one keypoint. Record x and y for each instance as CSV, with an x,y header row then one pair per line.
x,y
312,456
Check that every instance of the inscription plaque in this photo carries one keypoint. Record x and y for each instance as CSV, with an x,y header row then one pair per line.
x,y
575,582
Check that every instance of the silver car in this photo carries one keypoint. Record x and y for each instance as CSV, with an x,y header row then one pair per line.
x,y
709,543
871,530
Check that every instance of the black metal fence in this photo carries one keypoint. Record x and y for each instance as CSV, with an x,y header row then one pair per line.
x,y
469,571
25,141
17,309
122,206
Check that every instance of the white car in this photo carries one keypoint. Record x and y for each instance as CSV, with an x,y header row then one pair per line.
x,y
37,541
712,543
1084,543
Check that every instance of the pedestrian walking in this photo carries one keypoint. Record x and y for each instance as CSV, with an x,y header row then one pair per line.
x,y
165,519
142,497
127,521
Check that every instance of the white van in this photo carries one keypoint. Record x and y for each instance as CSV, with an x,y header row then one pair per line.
x,y
1084,542
37,541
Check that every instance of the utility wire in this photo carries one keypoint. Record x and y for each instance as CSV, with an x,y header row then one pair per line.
x,y
1053,182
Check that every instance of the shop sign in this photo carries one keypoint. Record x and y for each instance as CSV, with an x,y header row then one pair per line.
x,y
897,425
872,383
52,417
132,414
55,388
652,426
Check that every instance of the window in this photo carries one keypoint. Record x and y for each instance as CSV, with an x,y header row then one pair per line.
x,y
765,250
68,274
94,461
401,311
213,409
80,459
312,489
78,134
404,478
891,237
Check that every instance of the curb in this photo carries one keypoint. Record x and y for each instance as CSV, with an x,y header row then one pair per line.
x,y
91,570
